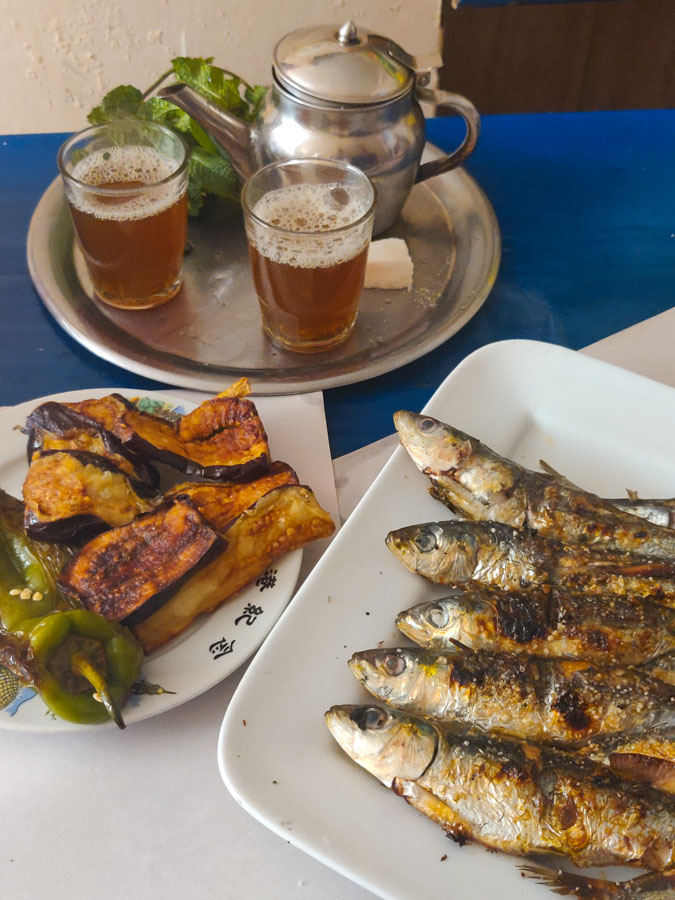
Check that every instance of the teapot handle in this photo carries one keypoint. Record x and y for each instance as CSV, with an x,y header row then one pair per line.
x,y
469,113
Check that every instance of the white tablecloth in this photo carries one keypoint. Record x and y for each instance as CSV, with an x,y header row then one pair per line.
x,y
143,813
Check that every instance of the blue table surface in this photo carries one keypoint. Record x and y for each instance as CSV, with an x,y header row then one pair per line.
x,y
586,206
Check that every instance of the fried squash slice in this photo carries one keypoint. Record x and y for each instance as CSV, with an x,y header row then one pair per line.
x,y
74,494
221,503
222,439
284,519
129,572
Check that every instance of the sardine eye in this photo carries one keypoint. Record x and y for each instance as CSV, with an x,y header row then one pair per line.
x,y
428,426
438,616
394,664
368,718
426,541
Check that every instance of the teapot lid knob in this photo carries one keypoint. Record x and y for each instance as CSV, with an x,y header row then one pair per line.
x,y
348,34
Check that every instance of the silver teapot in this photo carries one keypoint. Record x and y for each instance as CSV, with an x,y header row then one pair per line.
x,y
340,93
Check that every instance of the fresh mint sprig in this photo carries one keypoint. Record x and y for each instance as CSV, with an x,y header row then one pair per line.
x,y
210,169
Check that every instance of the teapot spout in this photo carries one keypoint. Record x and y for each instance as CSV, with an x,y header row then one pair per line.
x,y
229,132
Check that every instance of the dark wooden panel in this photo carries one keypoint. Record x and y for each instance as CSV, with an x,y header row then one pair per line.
x,y
604,54
518,58
631,60
456,3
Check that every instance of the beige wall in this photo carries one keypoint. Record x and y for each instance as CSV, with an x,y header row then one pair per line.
x,y
60,56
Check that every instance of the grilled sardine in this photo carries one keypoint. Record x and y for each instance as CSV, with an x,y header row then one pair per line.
x,y
471,478
550,622
546,701
647,756
498,555
507,795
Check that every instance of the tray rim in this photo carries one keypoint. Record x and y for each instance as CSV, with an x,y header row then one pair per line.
x,y
201,376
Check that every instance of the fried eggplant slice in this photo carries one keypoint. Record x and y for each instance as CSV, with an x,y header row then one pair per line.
x,y
59,426
106,411
129,572
222,439
284,519
221,503
240,388
70,495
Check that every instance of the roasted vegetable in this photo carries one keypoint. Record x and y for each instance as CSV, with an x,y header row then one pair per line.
x,y
81,665
73,494
28,570
129,572
58,426
222,439
16,656
76,651
104,411
284,519
220,503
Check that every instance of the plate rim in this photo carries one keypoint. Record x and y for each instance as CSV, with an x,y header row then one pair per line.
x,y
197,376
293,561
235,781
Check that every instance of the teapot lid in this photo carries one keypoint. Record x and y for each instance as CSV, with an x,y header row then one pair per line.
x,y
342,65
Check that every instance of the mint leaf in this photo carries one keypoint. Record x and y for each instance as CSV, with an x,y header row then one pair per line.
x,y
255,97
202,137
123,102
196,197
163,112
97,116
216,85
210,170
214,175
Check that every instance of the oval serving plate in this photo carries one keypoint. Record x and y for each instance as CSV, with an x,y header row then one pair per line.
x,y
210,333
529,401
209,650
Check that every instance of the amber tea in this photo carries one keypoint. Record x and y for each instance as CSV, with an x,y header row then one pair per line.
x,y
308,244
130,217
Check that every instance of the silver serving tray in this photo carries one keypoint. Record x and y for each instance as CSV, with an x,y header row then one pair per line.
x,y
210,333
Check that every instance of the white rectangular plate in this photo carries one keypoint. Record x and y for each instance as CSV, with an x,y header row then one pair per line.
x,y
605,429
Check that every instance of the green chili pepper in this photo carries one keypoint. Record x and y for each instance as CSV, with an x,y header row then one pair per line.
x,y
77,650
28,571
81,665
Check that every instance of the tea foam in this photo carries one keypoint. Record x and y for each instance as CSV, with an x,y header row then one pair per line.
x,y
137,164
319,209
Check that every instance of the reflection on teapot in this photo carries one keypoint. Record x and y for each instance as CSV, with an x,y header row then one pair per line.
x,y
338,93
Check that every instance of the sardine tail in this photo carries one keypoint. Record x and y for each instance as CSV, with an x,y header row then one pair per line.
x,y
652,886
567,883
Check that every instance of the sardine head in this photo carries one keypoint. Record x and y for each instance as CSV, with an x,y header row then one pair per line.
x,y
434,623
387,744
435,448
390,675
444,552
458,465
